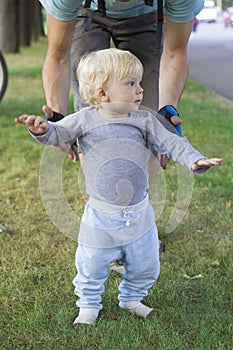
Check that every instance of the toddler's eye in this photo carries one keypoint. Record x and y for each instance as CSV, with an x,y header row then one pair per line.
x,y
131,83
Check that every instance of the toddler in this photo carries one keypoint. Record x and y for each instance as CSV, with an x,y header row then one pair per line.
x,y
116,140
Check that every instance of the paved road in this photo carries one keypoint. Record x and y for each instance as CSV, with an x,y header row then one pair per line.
x,y
211,58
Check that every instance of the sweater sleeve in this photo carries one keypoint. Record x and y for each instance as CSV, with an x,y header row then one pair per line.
x,y
62,134
174,147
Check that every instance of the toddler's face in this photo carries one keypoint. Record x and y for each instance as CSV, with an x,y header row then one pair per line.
x,y
127,90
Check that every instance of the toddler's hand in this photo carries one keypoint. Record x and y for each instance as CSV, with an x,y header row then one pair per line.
x,y
206,163
37,125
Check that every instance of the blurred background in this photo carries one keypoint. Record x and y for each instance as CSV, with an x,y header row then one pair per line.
x,y
210,46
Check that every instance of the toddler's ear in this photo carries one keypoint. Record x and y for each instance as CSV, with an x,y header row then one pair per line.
x,y
102,95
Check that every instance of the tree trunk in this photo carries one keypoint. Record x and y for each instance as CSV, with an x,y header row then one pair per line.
x,y
20,22
36,20
24,23
9,38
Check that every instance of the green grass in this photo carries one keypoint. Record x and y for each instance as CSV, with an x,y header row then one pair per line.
x,y
194,290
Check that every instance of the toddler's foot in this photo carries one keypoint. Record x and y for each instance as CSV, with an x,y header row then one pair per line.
x,y
86,316
137,308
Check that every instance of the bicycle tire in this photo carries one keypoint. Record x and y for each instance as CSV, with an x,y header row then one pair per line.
x,y
3,76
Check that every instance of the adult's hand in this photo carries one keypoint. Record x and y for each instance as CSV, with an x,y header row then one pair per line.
x,y
163,159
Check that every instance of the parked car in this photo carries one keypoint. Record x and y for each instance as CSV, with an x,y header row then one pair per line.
x,y
228,17
209,13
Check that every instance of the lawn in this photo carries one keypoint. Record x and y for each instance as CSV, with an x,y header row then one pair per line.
x,y
193,294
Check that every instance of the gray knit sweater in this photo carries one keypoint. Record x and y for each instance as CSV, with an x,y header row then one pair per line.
x,y
116,151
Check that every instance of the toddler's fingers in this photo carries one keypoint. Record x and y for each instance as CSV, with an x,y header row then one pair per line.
x,y
22,119
217,161
206,163
212,161
209,162
38,122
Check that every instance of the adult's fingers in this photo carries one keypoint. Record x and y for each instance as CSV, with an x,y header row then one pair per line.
x,y
47,111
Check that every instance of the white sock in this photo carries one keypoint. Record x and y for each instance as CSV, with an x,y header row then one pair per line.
x,y
86,315
136,307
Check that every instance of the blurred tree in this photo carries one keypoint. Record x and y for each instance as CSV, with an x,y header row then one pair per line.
x,y
9,39
35,19
20,23
24,23
227,3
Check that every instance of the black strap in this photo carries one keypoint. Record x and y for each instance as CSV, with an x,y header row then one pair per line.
x,y
89,20
87,4
159,25
102,8
160,11
149,2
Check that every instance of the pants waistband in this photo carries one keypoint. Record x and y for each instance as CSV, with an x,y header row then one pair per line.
x,y
111,208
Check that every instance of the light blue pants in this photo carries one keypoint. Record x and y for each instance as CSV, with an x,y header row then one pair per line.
x,y
140,259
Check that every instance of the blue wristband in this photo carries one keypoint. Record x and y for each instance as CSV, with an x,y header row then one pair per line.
x,y
168,112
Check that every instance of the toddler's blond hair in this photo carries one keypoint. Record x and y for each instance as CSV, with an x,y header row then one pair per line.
x,y
97,67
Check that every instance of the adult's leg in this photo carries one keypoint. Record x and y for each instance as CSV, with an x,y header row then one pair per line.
x,y
87,38
138,35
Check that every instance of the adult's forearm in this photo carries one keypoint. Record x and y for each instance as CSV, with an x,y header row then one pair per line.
x,y
56,83
173,75
174,63
56,69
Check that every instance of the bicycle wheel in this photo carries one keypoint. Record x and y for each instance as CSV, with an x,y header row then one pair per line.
x,y
3,76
